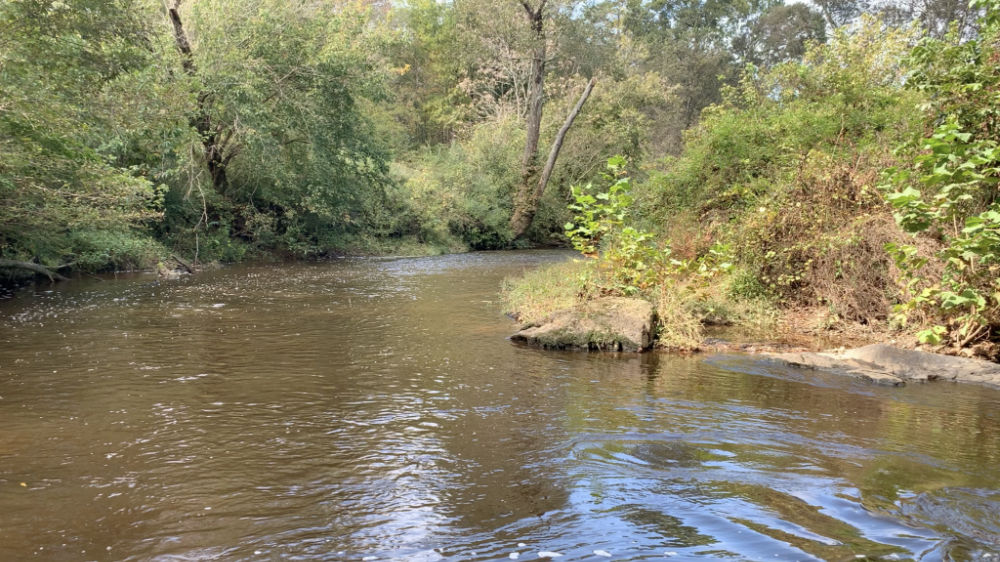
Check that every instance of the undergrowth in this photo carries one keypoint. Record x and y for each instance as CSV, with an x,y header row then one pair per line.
x,y
774,203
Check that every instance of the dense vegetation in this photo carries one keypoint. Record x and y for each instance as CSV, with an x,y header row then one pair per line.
x,y
754,141
802,192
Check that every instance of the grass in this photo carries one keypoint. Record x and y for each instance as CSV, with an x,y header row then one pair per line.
x,y
540,292
684,307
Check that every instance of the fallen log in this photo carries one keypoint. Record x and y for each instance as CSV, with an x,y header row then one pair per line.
x,y
37,268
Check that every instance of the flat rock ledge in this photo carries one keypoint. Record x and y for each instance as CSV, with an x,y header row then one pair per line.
x,y
887,365
605,324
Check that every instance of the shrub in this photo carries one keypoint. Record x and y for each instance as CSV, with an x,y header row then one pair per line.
x,y
949,192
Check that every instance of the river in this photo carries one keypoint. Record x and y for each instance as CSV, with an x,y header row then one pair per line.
x,y
373,409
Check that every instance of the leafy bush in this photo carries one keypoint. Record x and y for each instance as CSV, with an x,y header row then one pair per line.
x,y
949,193
462,192
107,250
596,214
784,174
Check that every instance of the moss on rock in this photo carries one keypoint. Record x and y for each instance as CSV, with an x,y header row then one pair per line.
x,y
605,324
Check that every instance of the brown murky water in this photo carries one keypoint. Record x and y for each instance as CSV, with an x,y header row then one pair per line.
x,y
373,409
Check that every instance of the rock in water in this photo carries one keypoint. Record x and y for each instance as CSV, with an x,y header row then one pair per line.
x,y
163,272
606,324
884,364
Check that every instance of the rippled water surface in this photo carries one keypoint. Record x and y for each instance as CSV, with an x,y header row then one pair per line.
x,y
373,409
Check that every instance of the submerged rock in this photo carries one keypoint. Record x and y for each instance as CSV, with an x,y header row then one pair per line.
x,y
607,324
887,365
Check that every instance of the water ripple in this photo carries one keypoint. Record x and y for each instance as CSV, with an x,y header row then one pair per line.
x,y
372,409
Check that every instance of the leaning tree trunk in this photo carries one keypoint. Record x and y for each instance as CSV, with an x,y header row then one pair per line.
x,y
536,97
526,203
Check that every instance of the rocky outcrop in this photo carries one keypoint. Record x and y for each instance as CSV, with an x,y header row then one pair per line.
x,y
608,324
887,365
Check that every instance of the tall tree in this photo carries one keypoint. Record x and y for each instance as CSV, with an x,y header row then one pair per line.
x,y
523,205
779,34
532,184
290,156
530,192
215,137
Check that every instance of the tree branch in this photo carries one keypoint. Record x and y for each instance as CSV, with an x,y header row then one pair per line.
x,y
557,145
180,36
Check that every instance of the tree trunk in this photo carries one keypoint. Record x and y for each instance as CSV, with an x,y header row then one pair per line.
x,y
525,207
214,138
536,96
533,118
187,267
37,268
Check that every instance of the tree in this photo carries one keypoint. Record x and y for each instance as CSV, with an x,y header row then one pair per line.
x,y
430,60
215,137
780,34
65,195
291,159
528,196
532,184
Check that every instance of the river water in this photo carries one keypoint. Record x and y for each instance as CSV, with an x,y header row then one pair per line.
x,y
366,409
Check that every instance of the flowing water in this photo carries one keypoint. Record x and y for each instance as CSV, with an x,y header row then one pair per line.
x,y
369,409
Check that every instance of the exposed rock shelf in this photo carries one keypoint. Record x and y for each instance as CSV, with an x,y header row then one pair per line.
x,y
888,365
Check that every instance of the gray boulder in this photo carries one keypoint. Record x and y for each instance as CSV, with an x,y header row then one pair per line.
x,y
607,324
887,365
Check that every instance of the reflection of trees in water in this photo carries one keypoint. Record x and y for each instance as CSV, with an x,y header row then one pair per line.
x,y
954,423
796,522
969,516
672,529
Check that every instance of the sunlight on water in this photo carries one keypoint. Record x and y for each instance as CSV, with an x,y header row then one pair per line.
x,y
372,409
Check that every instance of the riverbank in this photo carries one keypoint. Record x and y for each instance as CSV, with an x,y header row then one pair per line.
x,y
605,323
151,256
701,316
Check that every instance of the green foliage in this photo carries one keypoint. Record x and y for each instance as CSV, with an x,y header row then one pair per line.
x,y
100,121
632,259
783,176
59,175
427,54
949,192
304,167
103,250
460,194
598,214
744,285
628,259
839,100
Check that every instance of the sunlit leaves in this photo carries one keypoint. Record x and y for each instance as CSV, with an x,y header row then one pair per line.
x,y
950,192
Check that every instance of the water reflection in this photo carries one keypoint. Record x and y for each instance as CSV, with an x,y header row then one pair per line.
x,y
373,409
